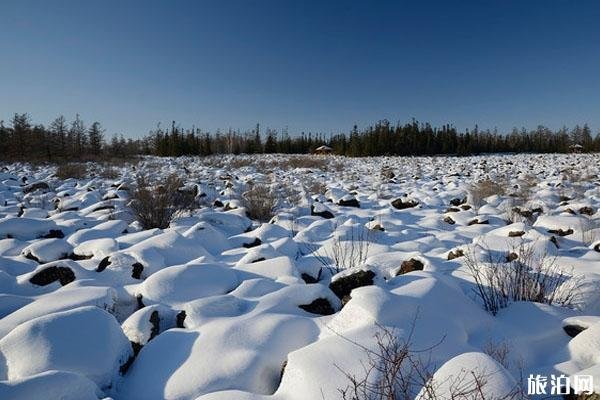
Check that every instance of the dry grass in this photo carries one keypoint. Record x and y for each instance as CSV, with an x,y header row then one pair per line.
x,y
530,277
259,202
71,170
589,230
480,190
155,206
345,253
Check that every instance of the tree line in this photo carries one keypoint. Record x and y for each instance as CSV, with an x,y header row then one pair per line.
x,y
62,140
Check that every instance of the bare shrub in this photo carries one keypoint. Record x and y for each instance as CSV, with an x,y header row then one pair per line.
x,y
290,195
345,253
589,230
260,202
394,370
71,170
525,188
480,190
499,351
314,186
155,205
528,277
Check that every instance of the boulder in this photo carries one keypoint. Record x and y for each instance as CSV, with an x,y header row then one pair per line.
x,y
409,266
343,286
401,205
51,274
319,306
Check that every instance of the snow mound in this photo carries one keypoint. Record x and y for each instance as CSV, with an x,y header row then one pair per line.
x,y
86,340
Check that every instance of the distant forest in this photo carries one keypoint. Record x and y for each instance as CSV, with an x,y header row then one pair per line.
x,y
62,140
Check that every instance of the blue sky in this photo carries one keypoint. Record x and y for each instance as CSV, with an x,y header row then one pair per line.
x,y
318,66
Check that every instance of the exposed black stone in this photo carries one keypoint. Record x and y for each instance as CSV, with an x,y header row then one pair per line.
x,y
54,234
319,306
409,266
308,278
349,203
457,202
323,214
155,321
52,274
401,205
344,285
180,319
573,330
105,262
137,270
254,243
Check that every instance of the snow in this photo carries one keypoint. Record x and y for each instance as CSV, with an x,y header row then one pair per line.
x,y
223,307
85,340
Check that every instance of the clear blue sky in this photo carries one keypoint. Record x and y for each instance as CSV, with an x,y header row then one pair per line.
x,y
309,65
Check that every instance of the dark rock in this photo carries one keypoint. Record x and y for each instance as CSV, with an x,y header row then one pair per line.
x,y
586,211
573,330
478,222
254,243
79,257
378,228
136,348
35,186
30,256
323,214
511,257
218,203
52,274
516,233
104,207
137,270
456,254
105,262
125,367
523,213
401,205
561,232
229,207
449,220
258,260
409,266
155,321
457,202
308,278
319,306
349,203
140,302
180,319
452,209
465,207
282,370
554,240
343,286
54,234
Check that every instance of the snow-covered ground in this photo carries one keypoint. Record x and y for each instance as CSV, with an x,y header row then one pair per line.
x,y
220,306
